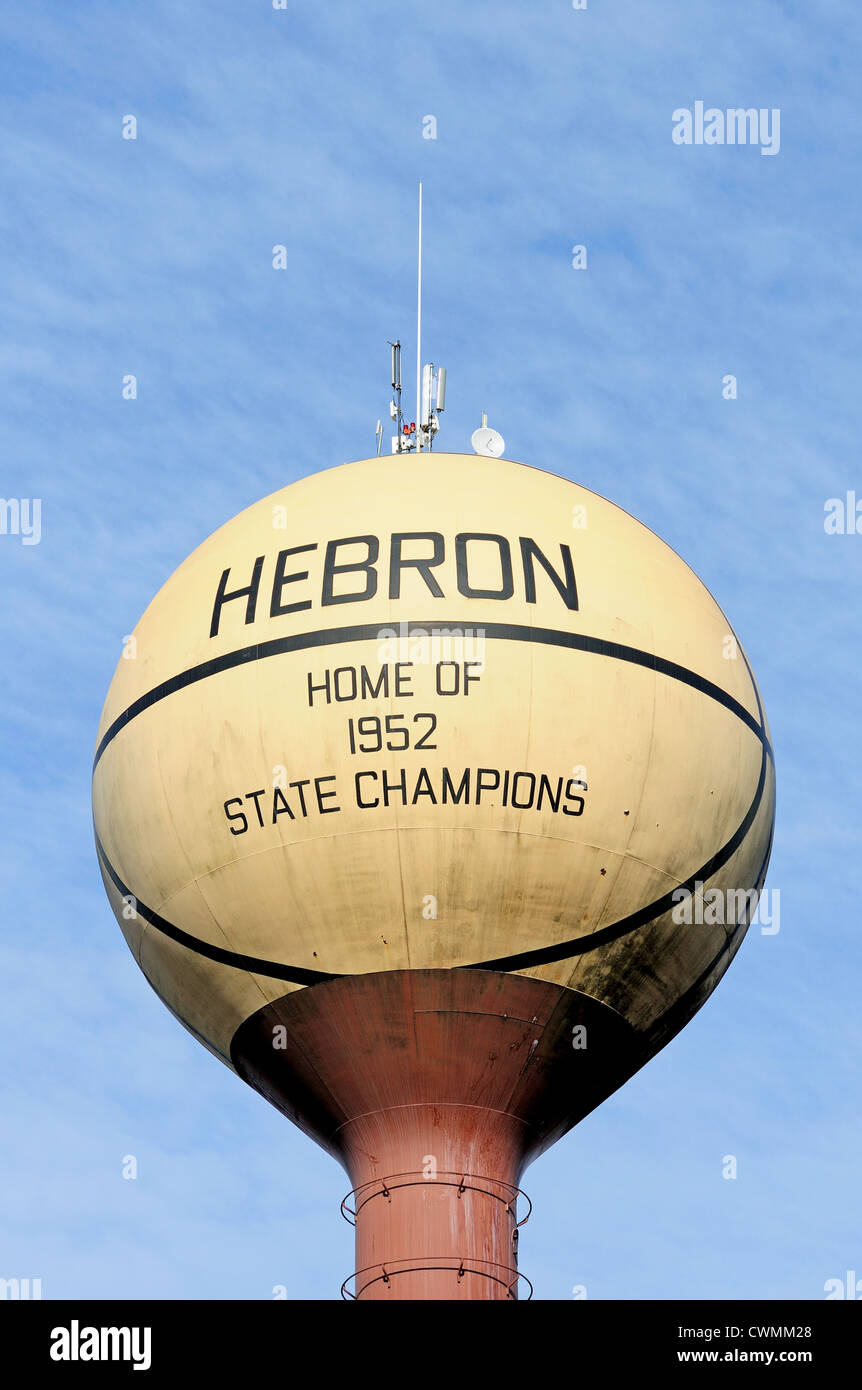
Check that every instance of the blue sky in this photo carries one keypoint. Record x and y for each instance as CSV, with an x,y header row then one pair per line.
x,y
303,127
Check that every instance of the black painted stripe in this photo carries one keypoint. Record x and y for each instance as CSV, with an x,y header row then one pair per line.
x,y
581,945
293,973
364,632
677,1014
524,960
500,631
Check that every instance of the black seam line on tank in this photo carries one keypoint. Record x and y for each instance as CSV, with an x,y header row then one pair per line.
x,y
526,959
511,632
294,974
676,1008
754,691
679,1005
580,946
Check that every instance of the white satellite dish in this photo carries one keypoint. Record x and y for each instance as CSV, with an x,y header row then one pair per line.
x,y
488,442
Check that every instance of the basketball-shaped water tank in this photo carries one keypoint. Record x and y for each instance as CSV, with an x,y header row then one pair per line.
x,y
411,716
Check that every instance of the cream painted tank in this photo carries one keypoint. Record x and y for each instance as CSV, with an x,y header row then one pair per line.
x,y
433,795
413,714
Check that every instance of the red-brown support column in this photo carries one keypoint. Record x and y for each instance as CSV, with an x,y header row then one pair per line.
x,y
435,1202
435,1088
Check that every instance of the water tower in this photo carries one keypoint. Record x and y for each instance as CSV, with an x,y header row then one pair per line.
x,y
434,801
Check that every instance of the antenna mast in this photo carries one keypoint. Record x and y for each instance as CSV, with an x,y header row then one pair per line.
x,y
419,328
419,434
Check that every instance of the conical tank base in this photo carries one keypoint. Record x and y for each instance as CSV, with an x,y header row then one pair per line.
x,y
435,1089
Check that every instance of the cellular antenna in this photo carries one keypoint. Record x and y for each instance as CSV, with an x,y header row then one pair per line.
x,y
398,445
